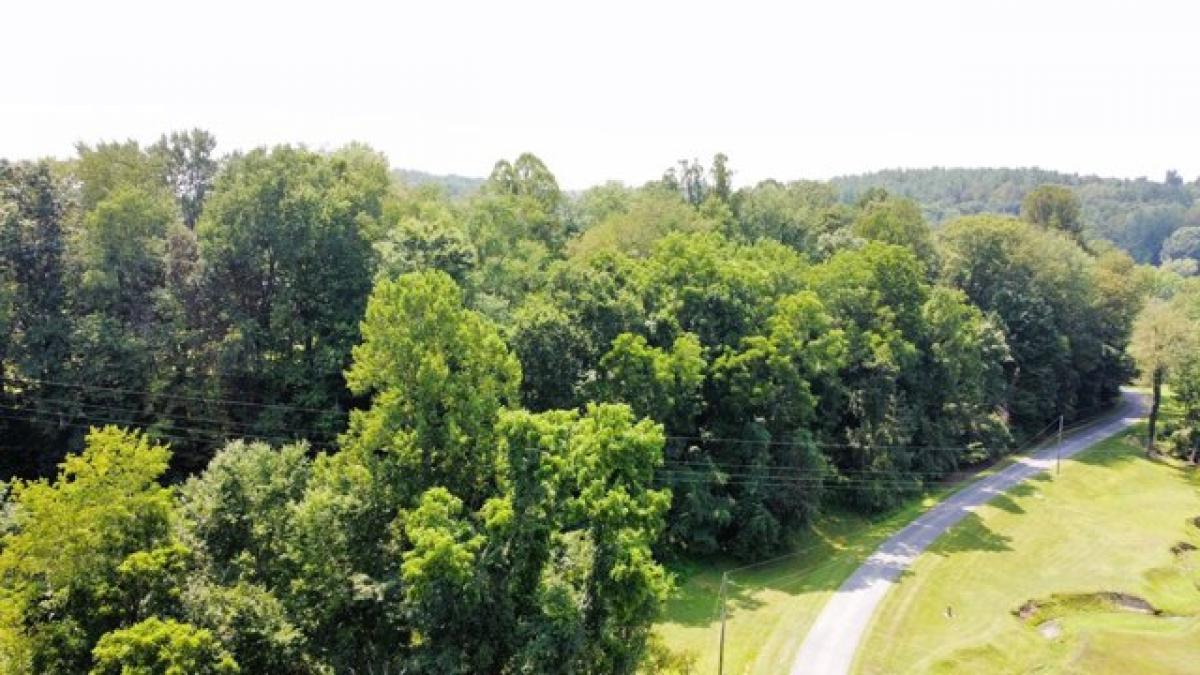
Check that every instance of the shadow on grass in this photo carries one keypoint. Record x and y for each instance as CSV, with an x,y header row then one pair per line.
x,y
970,534
822,557
1005,502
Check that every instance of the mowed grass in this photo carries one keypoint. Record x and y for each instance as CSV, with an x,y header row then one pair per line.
x,y
1106,524
772,605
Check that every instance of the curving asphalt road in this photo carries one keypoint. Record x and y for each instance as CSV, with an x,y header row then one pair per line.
x,y
831,643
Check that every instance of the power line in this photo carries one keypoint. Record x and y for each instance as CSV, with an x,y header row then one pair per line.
x,y
698,465
242,428
216,436
830,475
816,444
73,425
179,397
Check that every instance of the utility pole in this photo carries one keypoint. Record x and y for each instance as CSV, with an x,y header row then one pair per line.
x,y
1058,454
721,651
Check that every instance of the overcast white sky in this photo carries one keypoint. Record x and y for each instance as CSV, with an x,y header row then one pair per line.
x,y
620,90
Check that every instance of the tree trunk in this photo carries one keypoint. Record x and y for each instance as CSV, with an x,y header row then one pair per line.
x,y
1158,380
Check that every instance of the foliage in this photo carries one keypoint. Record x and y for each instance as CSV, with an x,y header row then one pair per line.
x,y
1164,339
897,221
1183,243
1137,215
168,647
286,274
439,374
474,423
84,554
646,219
1054,207
1066,338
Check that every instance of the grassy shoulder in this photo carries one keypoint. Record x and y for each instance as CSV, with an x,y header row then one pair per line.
x,y
1113,523
772,606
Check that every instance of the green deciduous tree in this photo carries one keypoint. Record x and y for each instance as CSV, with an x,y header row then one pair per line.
x,y
82,553
287,270
157,647
438,375
188,169
664,385
1055,207
34,274
897,221
1062,310
1183,243
649,216
1163,337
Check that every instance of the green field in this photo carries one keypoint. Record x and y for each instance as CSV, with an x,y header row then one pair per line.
x,y
772,605
1107,524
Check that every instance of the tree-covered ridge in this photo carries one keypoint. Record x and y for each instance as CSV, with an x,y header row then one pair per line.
x,y
455,186
406,431
1137,215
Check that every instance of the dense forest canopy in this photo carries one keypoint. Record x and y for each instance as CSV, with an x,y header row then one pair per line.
x,y
291,414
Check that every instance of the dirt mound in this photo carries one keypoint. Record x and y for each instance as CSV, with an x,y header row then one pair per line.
x,y
1026,611
1037,612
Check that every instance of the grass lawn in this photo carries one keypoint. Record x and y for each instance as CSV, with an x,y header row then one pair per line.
x,y
1107,524
771,606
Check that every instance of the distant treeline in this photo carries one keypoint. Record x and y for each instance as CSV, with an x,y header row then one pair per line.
x,y
1137,215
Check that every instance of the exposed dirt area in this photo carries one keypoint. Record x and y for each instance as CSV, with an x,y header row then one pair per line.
x,y
1130,603
1038,612
1027,611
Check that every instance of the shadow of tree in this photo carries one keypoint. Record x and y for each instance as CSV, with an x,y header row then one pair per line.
x,y
1007,503
970,534
821,560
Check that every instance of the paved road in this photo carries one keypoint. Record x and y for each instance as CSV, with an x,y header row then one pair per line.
x,y
834,638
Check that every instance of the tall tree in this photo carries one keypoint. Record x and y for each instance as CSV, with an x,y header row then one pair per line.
x,y
438,375
35,280
287,270
722,177
1055,207
1162,337
76,549
897,221
188,168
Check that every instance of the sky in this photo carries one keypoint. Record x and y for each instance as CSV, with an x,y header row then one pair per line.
x,y
620,90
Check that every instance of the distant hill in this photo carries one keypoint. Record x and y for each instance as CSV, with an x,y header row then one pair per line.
x,y
456,186
1137,215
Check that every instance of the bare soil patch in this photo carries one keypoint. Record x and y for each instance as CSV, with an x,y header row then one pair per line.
x,y
1038,612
